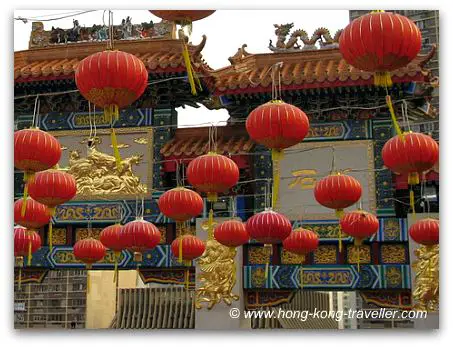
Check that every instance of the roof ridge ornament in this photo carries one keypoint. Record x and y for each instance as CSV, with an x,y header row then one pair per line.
x,y
291,44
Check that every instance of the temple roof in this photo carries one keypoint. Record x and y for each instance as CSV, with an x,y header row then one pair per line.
x,y
192,142
60,61
304,69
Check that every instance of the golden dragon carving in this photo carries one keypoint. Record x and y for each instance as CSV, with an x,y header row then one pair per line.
x,y
426,267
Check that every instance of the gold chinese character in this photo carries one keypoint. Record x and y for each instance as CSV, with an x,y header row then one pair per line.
x,y
304,178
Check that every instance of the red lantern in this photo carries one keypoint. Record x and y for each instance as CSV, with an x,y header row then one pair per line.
x,y
111,78
36,215
52,187
182,16
302,242
277,125
26,242
411,153
139,236
187,247
231,233
212,173
360,225
35,150
111,239
425,231
89,251
180,204
337,192
380,42
269,227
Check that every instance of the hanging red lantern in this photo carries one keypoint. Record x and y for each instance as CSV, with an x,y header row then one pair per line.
x,y
380,42
112,80
35,150
180,204
110,237
337,192
231,233
26,242
139,236
360,225
187,247
411,153
212,173
89,251
36,215
182,16
268,227
301,242
277,125
425,231
52,188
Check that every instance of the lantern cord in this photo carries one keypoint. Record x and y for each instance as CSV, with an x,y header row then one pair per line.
x,y
91,123
33,122
142,210
333,166
94,121
405,115
412,201
268,260
116,256
233,201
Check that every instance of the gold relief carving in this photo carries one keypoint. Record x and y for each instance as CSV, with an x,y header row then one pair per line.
x,y
218,275
121,145
83,233
326,232
96,140
303,179
325,254
325,131
426,267
393,276
84,119
59,236
259,277
189,230
359,254
391,229
98,174
141,140
393,254
163,234
290,258
64,148
258,255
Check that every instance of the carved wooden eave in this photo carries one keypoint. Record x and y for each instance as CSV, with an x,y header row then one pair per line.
x,y
311,69
60,61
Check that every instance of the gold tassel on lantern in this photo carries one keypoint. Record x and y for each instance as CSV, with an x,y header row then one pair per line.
x,y
412,201
268,247
50,234
20,261
357,244
382,79
277,156
116,256
180,250
413,178
388,100
111,112
190,74
88,268
24,203
29,253
339,214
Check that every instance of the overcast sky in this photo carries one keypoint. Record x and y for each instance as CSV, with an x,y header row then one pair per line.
x,y
226,31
